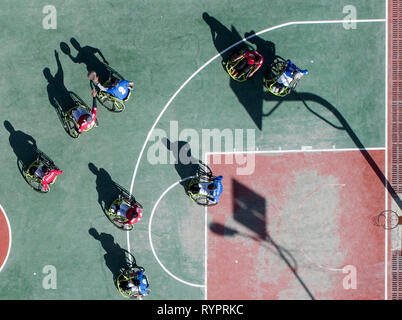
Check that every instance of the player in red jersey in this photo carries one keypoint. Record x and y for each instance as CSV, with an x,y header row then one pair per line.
x,y
84,119
251,59
47,175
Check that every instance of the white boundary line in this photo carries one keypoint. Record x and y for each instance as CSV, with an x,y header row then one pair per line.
x,y
206,241
386,147
150,236
293,151
9,238
215,57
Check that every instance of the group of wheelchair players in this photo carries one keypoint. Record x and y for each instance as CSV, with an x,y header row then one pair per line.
x,y
125,211
204,188
112,95
281,77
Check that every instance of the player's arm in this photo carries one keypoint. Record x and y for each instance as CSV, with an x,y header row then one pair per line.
x,y
257,67
238,57
252,73
45,185
57,172
95,79
94,104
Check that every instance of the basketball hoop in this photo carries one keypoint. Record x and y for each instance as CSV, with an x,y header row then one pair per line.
x,y
387,219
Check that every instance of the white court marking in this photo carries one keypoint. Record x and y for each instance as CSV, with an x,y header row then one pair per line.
x,y
205,65
150,236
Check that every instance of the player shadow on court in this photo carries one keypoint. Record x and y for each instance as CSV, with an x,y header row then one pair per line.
x,y
249,210
251,92
342,124
59,96
185,164
116,258
87,56
107,189
23,145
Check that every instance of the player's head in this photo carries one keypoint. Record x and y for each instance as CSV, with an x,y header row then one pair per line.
x,y
115,82
91,75
45,169
257,59
88,118
211,187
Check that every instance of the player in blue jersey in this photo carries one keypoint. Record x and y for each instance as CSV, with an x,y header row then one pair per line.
x,y
138,283
292,72
212,189
119,88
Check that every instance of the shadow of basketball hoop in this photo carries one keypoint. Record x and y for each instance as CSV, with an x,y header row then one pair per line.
x,y
387,219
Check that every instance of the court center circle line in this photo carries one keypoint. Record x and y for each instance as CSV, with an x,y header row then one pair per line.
x,y
150,237
9,237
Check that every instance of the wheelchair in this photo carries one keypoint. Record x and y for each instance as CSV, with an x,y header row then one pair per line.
x,y
119,221
231,66
107,100
274,72
70,122
127,276
204,174
32,179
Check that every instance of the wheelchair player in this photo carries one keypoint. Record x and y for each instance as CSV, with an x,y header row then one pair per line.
x,y
288,79
250,62
133,283
209,190
47,175
120,89
84,120
126,212
41,173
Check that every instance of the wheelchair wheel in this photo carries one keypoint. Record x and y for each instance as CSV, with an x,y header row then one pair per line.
x,y
122,280
230,67
71,125
204,172
204,201
276,69
33,181
107,102
118,105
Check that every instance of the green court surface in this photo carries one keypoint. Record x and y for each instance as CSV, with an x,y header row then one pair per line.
x,y
159,45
